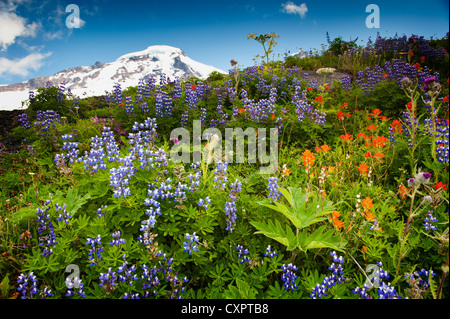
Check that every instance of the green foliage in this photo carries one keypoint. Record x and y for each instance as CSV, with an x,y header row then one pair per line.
x,y
353,198
304,210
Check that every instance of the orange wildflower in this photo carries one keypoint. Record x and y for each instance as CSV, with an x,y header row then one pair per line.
x,y
308,159
379,155
376,112
335,219
273,116
241,110
369,216
440,185
379,141
367,203
346,137
372,127
319,99
286,171
325,148
396,126
403,192
193,86
363,168
340,115
368,154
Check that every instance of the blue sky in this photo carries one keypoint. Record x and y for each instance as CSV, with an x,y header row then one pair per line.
x,y
35,41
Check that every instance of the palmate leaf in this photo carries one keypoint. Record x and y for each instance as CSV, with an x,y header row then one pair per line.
x,y
320,239
276,232
304,209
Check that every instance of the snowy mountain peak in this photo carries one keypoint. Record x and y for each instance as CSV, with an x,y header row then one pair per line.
x,y
127,70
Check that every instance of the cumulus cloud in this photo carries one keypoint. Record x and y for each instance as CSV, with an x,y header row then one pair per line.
x,y
291,8
22,66
13,26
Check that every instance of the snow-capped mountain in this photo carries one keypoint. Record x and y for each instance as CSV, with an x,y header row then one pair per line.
x,y
96,79
300,54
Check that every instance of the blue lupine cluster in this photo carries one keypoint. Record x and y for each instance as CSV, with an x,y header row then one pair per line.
x,y
422,277
230,212
119,177
117,93
220,175
269,253
75,286
95,250
346,82
144,107
289,276
126,272
384,290
337,277
243,254
203,115
259,112
403,44
190,244
429,220
47,237
95,158
31,96
175,283
76,102
230,206
22,120
100,212
117,240
204,202
395,71
129,106
108,281
306,110
71,149
442,140
274,192
60,95
27,285
64,215
407,125
191,96
151,279
46,120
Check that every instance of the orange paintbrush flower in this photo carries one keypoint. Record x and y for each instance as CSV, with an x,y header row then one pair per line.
x,y
369,216
308,159
376,112
363,168
346,137
325,148
403,192
367,203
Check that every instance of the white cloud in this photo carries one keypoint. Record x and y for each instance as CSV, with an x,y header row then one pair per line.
x,y
291,8
13,26
22,66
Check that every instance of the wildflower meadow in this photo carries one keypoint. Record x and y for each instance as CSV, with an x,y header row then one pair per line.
x,y
94,204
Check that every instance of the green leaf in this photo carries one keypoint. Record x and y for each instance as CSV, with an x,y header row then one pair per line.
x,y
5,287
242,291
304,209
320,239
275,231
